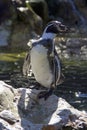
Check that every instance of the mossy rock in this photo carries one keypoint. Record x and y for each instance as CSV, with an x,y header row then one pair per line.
x,y
28,16
40,7
27,23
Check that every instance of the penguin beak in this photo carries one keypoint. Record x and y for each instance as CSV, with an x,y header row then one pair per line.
x,y
63,29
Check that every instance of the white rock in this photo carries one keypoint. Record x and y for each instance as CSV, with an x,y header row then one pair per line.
x,y
37,114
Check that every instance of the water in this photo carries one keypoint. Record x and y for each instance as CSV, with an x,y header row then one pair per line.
x,y
10,63
74,88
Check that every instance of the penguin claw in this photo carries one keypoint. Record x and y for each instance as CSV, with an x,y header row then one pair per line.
x,y
45,94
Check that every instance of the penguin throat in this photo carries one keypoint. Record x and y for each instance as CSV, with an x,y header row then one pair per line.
x,y
48,36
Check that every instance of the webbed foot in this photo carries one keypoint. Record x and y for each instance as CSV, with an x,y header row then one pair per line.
x,y
45,94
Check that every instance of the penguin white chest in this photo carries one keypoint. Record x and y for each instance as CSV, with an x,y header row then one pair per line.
x,y
40,66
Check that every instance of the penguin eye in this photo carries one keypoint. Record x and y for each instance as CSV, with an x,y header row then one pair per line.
x,y
62,27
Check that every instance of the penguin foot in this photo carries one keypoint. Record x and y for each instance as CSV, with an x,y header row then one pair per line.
x,y
45,94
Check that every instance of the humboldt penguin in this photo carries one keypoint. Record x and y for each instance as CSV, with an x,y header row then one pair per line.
x,y
44,60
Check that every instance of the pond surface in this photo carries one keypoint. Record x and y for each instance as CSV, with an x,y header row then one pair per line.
x,y
74,88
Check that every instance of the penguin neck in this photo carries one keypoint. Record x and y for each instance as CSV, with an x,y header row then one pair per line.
x,y
48,36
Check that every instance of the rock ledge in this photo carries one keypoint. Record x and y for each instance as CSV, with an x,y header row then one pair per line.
x,y
32,114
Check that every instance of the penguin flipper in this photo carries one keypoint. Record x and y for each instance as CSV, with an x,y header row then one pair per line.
x,y
26,66
58,70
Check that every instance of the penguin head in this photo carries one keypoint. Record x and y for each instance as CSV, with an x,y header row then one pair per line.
x,y
53,28
56,27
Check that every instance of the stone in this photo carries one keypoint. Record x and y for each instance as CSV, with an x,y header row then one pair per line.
x,y
50,127
29,24
53,113
17,29
6,96
72,47
28,16
82,7
5,32
19,3
38,114
66,11
40,7
6,10
8,116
